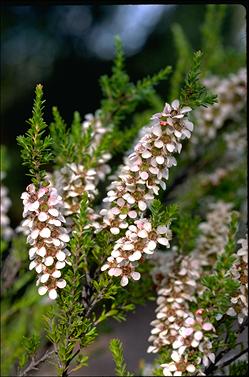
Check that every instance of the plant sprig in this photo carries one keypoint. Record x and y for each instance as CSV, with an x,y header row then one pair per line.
x,y
35,147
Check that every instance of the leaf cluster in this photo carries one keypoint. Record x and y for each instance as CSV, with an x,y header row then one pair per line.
x,y
239,368
121,96
186,230
193,92
116,349
161,214
35,147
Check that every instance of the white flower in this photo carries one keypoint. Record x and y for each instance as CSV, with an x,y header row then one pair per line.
x,y
6,231
42,210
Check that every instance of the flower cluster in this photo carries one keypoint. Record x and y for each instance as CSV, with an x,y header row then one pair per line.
x,y
74,179
239,272
47,237
6,231
192,339
140,239
236,141
173,302
147,167
214,231
162,264
139,182
185,333
176,326
231,94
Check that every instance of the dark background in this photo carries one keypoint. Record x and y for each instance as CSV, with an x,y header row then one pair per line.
x,y
68,47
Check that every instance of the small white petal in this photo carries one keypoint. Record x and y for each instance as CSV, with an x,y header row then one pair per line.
x,y
38,268
115,210
64,237
114,230
187,133
135,275
191,368
151,245
44,278
144,175
142,205
53,211
158,144
42,251
34,234
61,256
105,267
45,233
52,294
198,335
146,154
177,344
194,343
32,265
61,283
135,256
156,130
49,261
32,252
163,241
142,234
124,281
60,265
160,160
207,326
42,290
56,274
128,246
33,206
175,356
42,216
175,104
115,271
189,125
132,214
166,372
170,147
56,242
55,222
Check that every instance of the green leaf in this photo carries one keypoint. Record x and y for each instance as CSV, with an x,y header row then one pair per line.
x,y
116,349
162,214
193,92
35,147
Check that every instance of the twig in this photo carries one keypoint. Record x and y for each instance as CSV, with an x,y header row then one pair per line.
x,y
214,366
233,358
34,363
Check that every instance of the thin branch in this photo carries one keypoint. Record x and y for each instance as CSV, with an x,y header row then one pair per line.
x,y
233,358
214,366
34,363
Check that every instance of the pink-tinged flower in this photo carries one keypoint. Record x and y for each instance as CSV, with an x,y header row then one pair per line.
x,y
6,231
74,179
47,237
232,92
138,182
239,272
179,367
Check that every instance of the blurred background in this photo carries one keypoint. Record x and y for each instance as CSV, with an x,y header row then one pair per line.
x,y
68,47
